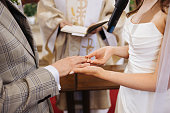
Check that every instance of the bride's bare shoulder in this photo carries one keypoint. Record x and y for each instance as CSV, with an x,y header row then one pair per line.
x,y
160,20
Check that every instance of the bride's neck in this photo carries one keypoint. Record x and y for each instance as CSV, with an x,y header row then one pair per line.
x,y
148,5
150,1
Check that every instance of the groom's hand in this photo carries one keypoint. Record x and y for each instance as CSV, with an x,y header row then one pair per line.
x,y
66,65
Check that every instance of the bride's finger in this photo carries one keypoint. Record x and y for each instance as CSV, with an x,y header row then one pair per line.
x,y
80,59
98,62
91,55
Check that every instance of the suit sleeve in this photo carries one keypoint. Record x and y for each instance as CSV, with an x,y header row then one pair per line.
x,y
27,92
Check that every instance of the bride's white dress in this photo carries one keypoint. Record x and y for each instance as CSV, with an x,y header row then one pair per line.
x,y
144,45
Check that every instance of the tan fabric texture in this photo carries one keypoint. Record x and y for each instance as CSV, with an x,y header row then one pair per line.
x,y
24,87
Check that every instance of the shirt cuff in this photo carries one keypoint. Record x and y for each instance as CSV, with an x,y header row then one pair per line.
x,y
55,73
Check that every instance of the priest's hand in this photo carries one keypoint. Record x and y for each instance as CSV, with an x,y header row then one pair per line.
x,y
63,23
96,30
66,65
101,55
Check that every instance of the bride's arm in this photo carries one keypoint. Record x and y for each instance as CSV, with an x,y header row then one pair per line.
x,y
121,51
139,81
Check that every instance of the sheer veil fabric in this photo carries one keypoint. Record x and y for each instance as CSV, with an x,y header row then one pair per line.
x,y
162,95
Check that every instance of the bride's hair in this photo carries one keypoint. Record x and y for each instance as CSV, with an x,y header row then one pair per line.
x,y
164,4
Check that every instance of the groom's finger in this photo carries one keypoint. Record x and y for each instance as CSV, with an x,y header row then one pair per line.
x,y
79,67
79,70
80,59
82,65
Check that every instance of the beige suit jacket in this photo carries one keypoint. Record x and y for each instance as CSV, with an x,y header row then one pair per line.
x,y
24,88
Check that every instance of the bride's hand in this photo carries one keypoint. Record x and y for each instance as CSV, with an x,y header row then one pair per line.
x,y
101,55
89,70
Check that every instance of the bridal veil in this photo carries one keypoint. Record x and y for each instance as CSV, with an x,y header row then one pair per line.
x,y
162,95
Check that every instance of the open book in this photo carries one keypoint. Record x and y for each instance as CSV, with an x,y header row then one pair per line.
x,y
80,30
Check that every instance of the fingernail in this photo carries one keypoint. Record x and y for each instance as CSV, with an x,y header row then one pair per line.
x,y
72,72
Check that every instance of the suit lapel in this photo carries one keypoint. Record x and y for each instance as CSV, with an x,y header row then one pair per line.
x,y
10,23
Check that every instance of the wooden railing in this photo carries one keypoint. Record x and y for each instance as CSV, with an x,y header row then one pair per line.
x,y
77,82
